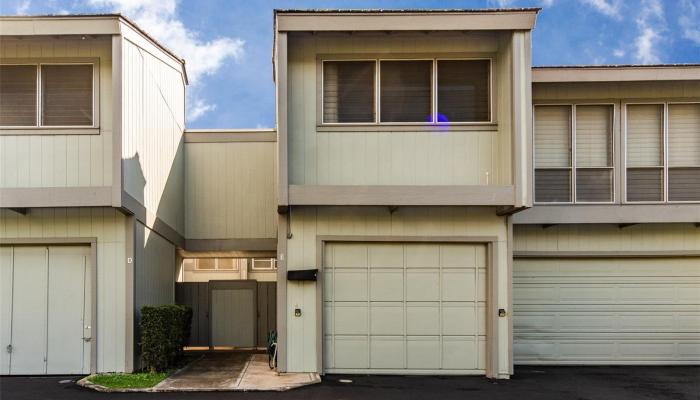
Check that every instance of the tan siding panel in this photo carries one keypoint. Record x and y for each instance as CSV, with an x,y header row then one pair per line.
x,y
231,190
57,160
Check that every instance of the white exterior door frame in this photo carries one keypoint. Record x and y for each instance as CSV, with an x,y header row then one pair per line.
x,y
491,243
90,241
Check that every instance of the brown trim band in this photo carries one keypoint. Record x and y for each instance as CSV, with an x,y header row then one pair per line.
x,y
255,244
609,213
230,136
400,195
72,196
616,74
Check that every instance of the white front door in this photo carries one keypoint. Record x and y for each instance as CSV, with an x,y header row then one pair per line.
x,y
404,308
45,310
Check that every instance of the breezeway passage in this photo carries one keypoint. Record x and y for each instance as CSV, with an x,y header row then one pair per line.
x,y
45,295
404,308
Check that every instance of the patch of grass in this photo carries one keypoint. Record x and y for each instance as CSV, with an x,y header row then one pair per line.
x,y
137,380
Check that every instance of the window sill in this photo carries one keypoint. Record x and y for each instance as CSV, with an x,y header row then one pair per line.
x,y
464,127
45,130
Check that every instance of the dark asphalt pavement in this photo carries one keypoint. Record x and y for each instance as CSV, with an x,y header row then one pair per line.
x,y
541,383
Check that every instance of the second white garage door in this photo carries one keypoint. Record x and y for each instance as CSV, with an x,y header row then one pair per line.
x,y
404,308
607,311
45,310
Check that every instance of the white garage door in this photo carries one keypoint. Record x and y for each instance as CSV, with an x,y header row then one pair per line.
x,y
404,308
607,311
45,300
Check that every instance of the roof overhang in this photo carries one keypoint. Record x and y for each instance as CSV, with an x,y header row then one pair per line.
x,y
616,73
84,24
405,20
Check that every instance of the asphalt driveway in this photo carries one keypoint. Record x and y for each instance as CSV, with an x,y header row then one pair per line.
x,y
542,383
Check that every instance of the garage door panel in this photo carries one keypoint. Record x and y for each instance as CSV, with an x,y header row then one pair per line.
x,y
387,352
458,256
388,255
423,352
422,303
387,319
606,311
327,276
423,256
351,352
459,319
67,275
386,285
350,285
29,310
5,307
350,318
459,285
423,319
459,352
422,285
689,350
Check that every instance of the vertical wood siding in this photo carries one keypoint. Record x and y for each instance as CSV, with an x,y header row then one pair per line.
x,y
56,160
371,157
307,223
231,190
154,269
108,226
600,237
153,122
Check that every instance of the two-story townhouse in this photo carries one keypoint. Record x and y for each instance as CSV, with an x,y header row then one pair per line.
x,y
92,114
434,204
404,142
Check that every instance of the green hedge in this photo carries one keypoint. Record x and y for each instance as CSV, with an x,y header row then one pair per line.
x,y
164,331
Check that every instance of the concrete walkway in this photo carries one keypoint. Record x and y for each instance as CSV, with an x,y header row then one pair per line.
x,y
233,371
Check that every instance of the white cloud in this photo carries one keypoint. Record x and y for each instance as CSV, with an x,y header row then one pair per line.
x,y
23,7
619,53
159,18
650,24
547,3
690,15
502,3
611,8
198,107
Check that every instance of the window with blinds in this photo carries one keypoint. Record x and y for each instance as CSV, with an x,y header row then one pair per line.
x,y
348,91
18,95
553,154
405,91
684,152
645,152
66,95
463,90
61,95
594,155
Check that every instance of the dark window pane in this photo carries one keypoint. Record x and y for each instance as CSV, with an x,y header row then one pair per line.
x,y
18,95
684,184
66,95
348,91
645,184
594,185
405,91
552,185
463,90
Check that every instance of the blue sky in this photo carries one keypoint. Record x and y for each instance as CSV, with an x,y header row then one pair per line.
x,y
227,44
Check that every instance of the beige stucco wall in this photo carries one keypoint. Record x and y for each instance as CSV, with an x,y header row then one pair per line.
x,y
152,123
231,190
403,156
308,223
108,226
54,159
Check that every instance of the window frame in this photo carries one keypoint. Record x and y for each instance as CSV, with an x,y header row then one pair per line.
x,y
216,264
665,143
433,90
273,263
39,127
572,167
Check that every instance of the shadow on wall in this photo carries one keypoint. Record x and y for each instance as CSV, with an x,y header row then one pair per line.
x,y
155,257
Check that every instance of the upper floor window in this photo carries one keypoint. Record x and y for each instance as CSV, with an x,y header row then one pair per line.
x,y
573,153
215,264
46,95
426,91
662,152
